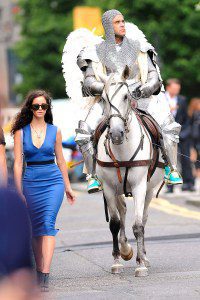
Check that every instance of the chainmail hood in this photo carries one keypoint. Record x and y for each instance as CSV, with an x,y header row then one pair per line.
x,y
106,51
107,19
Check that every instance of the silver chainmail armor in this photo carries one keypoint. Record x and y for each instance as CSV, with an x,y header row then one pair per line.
x,y
116,60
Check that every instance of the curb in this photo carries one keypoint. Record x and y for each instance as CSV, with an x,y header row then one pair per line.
x,y
194,202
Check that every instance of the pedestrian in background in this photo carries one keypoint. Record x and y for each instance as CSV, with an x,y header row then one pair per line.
x,y
178,107
3,165
194,114
44,182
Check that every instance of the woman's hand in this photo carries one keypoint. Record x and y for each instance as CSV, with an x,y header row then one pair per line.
x,y
63,168
70,196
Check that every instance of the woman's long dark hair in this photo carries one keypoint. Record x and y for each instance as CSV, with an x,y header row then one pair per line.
x,y
24,117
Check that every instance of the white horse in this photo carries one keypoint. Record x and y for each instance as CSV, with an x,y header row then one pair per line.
x,y
123,144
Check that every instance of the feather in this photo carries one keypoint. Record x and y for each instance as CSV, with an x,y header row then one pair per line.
x,y
134,33
75,42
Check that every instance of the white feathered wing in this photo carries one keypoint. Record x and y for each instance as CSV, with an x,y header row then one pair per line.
x,y
134,33
76,41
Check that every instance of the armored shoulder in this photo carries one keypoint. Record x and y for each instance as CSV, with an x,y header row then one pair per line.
x,y
87,55
152,54
149,49
81,62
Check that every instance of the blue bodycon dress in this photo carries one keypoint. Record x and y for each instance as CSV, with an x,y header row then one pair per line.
x,y
43,184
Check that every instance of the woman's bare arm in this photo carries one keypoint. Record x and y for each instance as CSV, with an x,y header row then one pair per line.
x,y
18,163
3,166
62,166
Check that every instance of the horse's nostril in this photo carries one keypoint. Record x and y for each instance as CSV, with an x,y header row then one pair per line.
x,y
122,133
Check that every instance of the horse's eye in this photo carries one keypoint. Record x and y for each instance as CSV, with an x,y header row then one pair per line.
x,y
126,97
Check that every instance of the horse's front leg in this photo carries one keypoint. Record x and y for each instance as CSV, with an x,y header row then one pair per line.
x,y
117,267
139,195
148,199
126,250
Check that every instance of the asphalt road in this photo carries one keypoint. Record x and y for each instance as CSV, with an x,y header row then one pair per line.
x,y
82,260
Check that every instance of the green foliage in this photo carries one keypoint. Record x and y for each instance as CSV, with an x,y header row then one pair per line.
x,y
171,26
45,25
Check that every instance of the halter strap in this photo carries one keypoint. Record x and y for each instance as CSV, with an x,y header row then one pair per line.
x,y
118,115
115,93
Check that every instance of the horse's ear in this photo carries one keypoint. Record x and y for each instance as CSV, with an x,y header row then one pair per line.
x,y
126,72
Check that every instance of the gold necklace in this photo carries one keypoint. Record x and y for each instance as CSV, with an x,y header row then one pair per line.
x,y
39,134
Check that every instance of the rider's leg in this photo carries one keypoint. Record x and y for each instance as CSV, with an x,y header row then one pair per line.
x,y
170,132
160,111
83,140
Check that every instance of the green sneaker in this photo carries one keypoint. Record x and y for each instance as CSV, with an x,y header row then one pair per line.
x,y
172,177
94,185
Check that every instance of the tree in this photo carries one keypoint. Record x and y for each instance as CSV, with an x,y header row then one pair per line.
x,y
45,25
173,28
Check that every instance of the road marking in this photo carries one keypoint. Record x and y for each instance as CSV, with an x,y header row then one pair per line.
x,y
167,207
173,209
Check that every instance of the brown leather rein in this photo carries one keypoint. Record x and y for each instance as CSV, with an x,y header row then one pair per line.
x,y
127,164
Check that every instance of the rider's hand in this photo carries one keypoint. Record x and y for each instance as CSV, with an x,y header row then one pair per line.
x,y
145,91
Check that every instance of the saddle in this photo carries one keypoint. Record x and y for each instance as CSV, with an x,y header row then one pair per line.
x,y
155,133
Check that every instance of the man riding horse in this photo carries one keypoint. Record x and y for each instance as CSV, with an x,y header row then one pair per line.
x,y
113,55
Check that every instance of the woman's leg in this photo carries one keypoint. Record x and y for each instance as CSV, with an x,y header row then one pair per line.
x,y
37,251
48,245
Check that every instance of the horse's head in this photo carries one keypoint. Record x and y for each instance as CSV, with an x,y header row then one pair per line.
x,y
118,107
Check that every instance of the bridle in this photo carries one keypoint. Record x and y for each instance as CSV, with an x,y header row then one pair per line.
x,y
118,113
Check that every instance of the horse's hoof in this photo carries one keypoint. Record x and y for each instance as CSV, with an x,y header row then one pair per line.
x,y
127,256
147,263
141,272
117,268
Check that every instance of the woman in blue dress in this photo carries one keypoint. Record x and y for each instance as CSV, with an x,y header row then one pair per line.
x,y
44,182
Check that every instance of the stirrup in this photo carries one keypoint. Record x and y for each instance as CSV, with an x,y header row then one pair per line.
x,y
94,185
172,177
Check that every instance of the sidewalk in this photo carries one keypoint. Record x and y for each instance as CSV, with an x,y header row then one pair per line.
x,y
191,198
